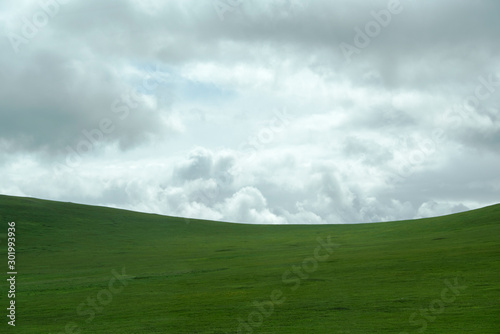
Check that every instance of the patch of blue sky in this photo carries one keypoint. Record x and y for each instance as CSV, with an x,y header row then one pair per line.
x,y
171,79
153,72
204,91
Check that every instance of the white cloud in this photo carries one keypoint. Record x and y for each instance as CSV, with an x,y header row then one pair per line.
x,y
248,205
257,117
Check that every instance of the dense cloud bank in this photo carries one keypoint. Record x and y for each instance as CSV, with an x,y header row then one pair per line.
x,y
253,111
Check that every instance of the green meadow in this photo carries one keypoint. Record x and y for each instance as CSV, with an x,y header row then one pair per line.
x,y
87,269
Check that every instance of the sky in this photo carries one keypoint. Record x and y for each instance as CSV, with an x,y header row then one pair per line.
x,y
249,111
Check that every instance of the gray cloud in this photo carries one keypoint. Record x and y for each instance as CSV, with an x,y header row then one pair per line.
x,y
255,114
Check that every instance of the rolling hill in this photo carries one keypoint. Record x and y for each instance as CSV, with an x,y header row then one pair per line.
x,y
86,269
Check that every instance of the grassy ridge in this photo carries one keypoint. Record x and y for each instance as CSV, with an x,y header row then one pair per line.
x,y
210,277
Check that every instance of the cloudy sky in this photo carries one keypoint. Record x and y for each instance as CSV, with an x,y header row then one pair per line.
x,y
272,111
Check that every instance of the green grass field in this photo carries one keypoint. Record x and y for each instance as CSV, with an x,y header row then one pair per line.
x,y
85,269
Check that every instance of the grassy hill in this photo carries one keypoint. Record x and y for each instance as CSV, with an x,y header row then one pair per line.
x,y
85,269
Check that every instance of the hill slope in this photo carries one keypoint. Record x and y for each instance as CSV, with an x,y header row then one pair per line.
x,y
84,269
